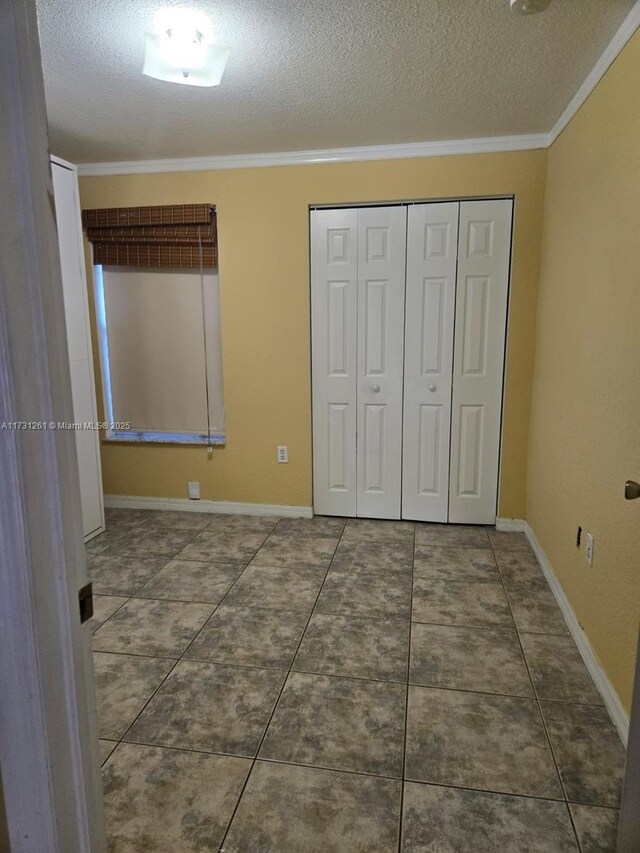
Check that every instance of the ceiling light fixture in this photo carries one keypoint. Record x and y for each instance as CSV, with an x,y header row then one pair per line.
x,y
180,54
529,7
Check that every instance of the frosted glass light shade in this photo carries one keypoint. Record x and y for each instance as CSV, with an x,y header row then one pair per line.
x,y
529,7
192,62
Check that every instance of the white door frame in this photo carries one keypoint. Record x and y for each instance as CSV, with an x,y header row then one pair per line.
x,y
48,733
629,826
417,201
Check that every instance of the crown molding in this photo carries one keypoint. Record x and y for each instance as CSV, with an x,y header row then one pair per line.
x,y
624,32
483,145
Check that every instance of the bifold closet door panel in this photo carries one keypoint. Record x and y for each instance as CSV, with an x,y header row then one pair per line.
x,y
381,295
432,248
334,319
484,250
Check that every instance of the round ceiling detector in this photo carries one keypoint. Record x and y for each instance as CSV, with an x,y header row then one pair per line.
x,y
529,7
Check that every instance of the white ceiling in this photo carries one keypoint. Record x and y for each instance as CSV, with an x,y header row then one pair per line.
x,y
313,74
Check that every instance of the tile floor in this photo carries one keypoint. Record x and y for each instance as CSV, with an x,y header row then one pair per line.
x,y
363,687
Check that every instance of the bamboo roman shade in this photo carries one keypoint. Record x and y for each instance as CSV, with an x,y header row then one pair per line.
x,y
173,235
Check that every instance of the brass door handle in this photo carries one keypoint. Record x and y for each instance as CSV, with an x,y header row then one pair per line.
x,y
631,490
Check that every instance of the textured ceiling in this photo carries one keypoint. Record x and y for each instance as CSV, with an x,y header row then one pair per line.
x,y
310,74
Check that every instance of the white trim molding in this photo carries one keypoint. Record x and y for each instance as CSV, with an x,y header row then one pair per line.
x,y
510,525
400,151
225,507
624,32
605,688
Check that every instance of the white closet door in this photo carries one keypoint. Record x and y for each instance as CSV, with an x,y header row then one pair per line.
x,y
334,261
479,343
432,248
381,293
67,203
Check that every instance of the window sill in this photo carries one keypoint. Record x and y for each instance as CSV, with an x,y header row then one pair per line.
x,y
217,439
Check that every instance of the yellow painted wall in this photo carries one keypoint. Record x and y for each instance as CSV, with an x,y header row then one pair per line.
x,y
264,274
585,427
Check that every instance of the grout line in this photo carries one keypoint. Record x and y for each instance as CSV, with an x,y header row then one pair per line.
x,y
176,662
541,715
486,791
290,670
127,599
277,702
134,654
406,700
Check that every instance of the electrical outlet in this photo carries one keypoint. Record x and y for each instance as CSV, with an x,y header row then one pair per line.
x,y
589,548
194,491
283,454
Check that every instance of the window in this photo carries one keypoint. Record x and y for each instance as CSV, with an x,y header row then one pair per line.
x,y
159,329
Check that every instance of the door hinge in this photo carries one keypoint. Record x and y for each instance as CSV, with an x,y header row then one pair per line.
x,y
85,598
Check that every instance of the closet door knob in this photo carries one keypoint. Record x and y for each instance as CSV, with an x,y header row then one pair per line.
x,y
432,387
375,388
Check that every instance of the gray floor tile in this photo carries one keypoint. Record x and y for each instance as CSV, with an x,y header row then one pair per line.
x,y
146,627
170,520
373,557
558,670
535,610
96,545
188,580
241,523
520,569
249,637
338,723
379,596
139,542
473,740
342,707
223,547
508,542
211,707
115,516
451,536
597,828
169,801
456,564
122,575
287,809
104,606
361,648
319,525
484,659
364,529
106,748
294,550
277,588
588,751
124,684
448,820
459,603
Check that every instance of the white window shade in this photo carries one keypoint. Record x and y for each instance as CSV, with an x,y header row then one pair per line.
x,y
161,353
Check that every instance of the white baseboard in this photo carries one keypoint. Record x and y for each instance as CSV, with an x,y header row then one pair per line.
x,y
609,696
510,525
186,505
